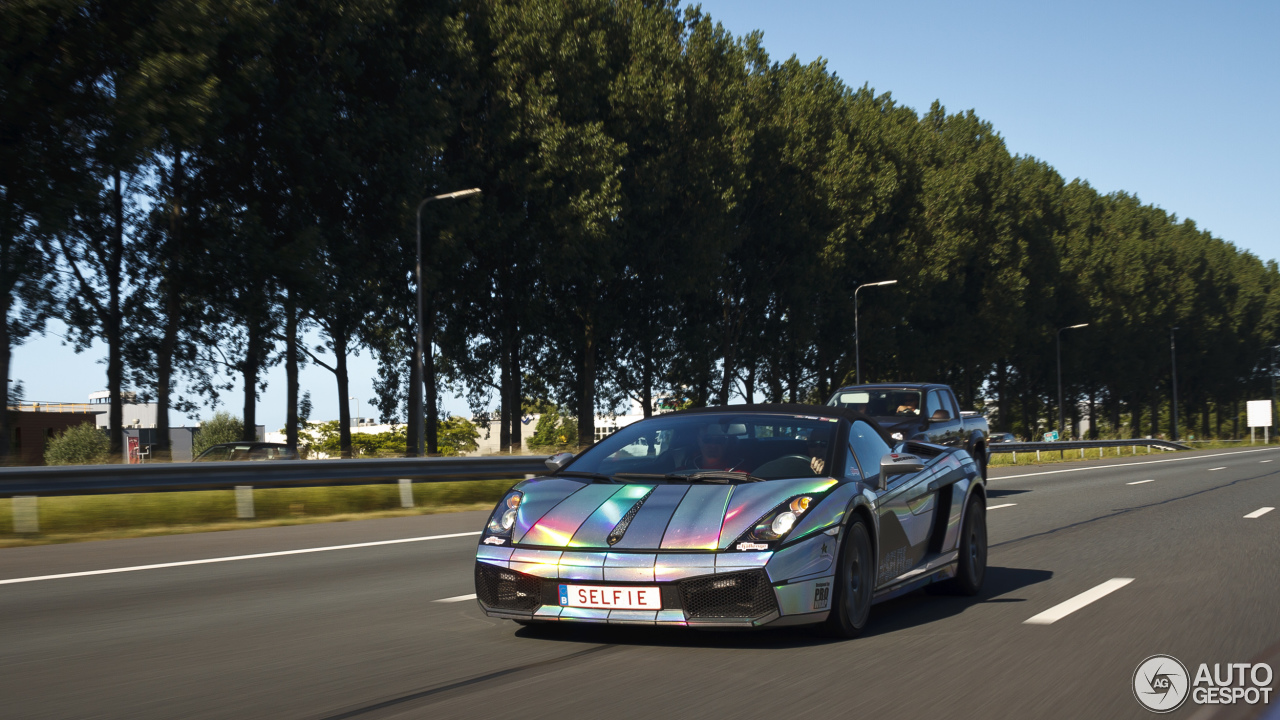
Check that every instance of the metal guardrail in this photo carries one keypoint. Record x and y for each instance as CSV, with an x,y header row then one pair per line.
x,y
86,480
1017,447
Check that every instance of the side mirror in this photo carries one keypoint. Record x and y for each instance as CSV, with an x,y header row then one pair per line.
x,y
899,464
559,460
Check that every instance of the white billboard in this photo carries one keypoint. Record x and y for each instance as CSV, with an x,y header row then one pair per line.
x,y
1259,413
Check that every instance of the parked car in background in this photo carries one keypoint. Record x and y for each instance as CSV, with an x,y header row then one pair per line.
x,y
1002,438
232,452
924,412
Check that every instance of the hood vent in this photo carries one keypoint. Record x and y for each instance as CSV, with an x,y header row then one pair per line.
x,y
621,528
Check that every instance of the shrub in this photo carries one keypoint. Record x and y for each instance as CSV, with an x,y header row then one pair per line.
x,y
79,445
223,427
456,435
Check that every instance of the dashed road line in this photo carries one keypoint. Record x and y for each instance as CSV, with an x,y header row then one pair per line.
x,y
1259,513
997,507
1139,482
458,598
255,556
1063,609
1224,467
1264,461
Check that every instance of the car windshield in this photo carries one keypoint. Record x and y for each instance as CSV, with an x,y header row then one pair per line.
x,y
883,403
714,446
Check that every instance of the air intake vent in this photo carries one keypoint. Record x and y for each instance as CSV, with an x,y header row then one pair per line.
x,y
621,528
728,595
503,589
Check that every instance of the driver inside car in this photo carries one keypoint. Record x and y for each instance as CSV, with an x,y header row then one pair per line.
x,y
715,450
910,405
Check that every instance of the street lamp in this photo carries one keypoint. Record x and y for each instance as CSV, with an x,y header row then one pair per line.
x,y
357,409
1173,354
1061,413
415,389
857,348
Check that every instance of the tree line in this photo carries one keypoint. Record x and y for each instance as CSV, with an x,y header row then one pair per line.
x,y
666,211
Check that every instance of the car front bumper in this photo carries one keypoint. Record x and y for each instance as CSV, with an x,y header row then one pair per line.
x,y
709,590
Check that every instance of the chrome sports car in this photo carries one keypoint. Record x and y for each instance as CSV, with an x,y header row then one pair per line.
x,y
735,517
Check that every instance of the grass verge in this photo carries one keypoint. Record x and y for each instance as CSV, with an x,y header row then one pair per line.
x,y
79,518
1051,457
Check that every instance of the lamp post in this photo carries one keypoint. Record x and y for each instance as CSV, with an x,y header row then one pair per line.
x,y
1173,354
1061,413
416,415
357,409
857,348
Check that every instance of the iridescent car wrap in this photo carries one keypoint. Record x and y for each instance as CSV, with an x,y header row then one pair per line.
x,y
705,544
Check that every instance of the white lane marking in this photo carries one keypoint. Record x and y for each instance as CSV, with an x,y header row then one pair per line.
x,y
1262,461
1061,610
1259,512
1113,466
234,557
1140,482
459,598
997,507
1224,467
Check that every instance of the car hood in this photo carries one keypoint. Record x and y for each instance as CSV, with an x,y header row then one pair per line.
x,y
574,513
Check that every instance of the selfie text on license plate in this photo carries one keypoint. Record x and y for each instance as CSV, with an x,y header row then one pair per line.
x,y
615,598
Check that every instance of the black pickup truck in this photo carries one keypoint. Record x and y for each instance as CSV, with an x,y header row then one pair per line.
x,y
919,411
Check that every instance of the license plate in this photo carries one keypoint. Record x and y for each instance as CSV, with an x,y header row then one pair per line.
x,y
611,598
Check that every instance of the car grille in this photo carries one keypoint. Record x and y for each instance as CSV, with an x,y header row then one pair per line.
x,y
503,589
728,595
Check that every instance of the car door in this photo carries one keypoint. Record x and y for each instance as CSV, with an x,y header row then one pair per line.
x,y
906,506
945,425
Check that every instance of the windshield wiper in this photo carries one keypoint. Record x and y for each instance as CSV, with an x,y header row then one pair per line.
x,y
716,476
591,475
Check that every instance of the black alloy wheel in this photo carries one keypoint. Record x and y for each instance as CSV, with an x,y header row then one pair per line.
x,y
971,566
854,583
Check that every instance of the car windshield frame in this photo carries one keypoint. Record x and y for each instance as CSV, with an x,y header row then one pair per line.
x,y
874,404
668,448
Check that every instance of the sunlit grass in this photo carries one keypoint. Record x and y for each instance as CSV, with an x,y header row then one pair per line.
x,y
97,517
1046,457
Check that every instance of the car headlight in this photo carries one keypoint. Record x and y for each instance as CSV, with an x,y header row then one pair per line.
x,y
504,516
780,522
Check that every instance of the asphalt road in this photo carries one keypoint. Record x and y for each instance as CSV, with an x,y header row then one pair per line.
x,y
360,632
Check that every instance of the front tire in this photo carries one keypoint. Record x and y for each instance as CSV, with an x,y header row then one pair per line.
x,y
854,584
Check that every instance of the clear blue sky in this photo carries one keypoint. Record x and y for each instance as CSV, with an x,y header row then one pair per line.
x,y
1176,102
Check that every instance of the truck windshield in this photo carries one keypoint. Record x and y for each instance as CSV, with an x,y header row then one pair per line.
x,y
762,446
884,403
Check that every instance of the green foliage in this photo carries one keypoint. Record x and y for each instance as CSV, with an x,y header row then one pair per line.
x,y
666,211
223,427
81,444
458,435
554,433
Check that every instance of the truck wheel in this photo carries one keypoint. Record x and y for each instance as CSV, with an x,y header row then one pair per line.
x,y
854,584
